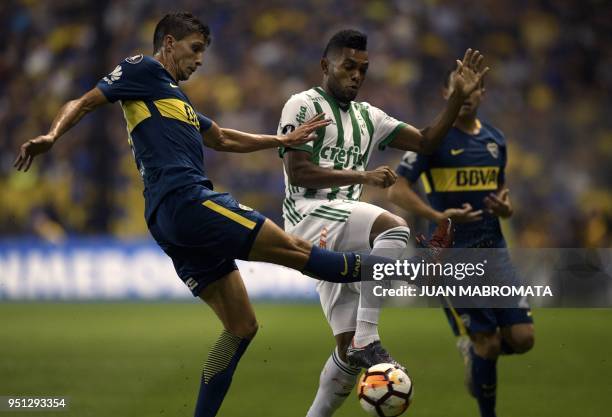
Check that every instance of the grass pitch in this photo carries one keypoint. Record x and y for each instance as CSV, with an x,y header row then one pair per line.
x,y
145,360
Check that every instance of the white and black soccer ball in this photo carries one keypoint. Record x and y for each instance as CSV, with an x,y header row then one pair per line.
x,y
384,390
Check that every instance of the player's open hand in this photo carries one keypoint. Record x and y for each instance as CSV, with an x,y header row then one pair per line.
x,y
30,149
305,132
465,214
382,177
469,73
499,204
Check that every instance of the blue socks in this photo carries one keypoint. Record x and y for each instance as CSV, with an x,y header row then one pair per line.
x,y
218,371
484,381
338,266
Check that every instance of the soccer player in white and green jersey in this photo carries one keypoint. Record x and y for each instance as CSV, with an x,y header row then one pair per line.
x,y
324,180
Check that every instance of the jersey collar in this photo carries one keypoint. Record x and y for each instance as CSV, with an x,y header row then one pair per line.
x,y
329,97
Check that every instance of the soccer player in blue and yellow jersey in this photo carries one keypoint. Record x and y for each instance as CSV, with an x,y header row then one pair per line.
x,y
464,180
203,231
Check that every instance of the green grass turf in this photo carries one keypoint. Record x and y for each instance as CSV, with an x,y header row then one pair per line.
x,y
145,360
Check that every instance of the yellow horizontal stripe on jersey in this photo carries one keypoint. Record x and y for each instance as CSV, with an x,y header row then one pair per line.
x,y
464,178
177,109
134,112
249,224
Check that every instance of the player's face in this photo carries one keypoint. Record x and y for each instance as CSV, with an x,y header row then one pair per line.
x,y
471,104
188,54
345,73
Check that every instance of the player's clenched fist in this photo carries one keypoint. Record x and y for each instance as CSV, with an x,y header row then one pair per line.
x,y
382,177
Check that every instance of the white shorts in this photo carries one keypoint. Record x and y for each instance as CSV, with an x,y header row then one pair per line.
x,y
339,301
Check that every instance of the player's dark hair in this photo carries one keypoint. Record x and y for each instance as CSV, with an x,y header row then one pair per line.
x,y
348,38
179,25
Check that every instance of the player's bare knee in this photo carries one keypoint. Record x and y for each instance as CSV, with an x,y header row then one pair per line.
x,y
487,346
384,222
400,221
300,245
523,342
246,329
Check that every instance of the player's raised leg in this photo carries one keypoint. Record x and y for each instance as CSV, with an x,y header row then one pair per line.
x,y
229,300
273,245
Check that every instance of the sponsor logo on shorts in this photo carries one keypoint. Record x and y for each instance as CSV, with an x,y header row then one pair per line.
x,y
191,283
323,238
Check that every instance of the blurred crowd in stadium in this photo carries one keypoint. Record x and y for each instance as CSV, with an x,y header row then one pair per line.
x,y
549,91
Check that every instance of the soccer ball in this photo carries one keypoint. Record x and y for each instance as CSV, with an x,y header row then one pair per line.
x,y
384,390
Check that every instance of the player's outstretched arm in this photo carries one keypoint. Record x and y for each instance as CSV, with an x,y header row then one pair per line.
x,y
229,140
402,195
68,116
302,172
463,81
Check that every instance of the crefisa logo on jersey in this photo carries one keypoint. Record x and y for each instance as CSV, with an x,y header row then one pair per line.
x,y
134,59
493,149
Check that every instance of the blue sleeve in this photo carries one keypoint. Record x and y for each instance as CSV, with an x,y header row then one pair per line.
x,y
130,80
412,165
205,122
501,179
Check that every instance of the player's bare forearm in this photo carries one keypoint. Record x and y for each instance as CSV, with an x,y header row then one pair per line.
x,y
433,135
402,195
71,113
67,117
230,140
427,140
242,142
303,173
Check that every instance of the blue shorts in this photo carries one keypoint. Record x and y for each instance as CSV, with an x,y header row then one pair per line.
x,y
203,231
484,319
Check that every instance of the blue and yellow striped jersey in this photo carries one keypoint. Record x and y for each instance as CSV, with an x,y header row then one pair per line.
x,y
164,130
464,169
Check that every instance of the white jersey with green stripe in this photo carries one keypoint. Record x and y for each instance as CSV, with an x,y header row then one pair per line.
x,y
347,143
